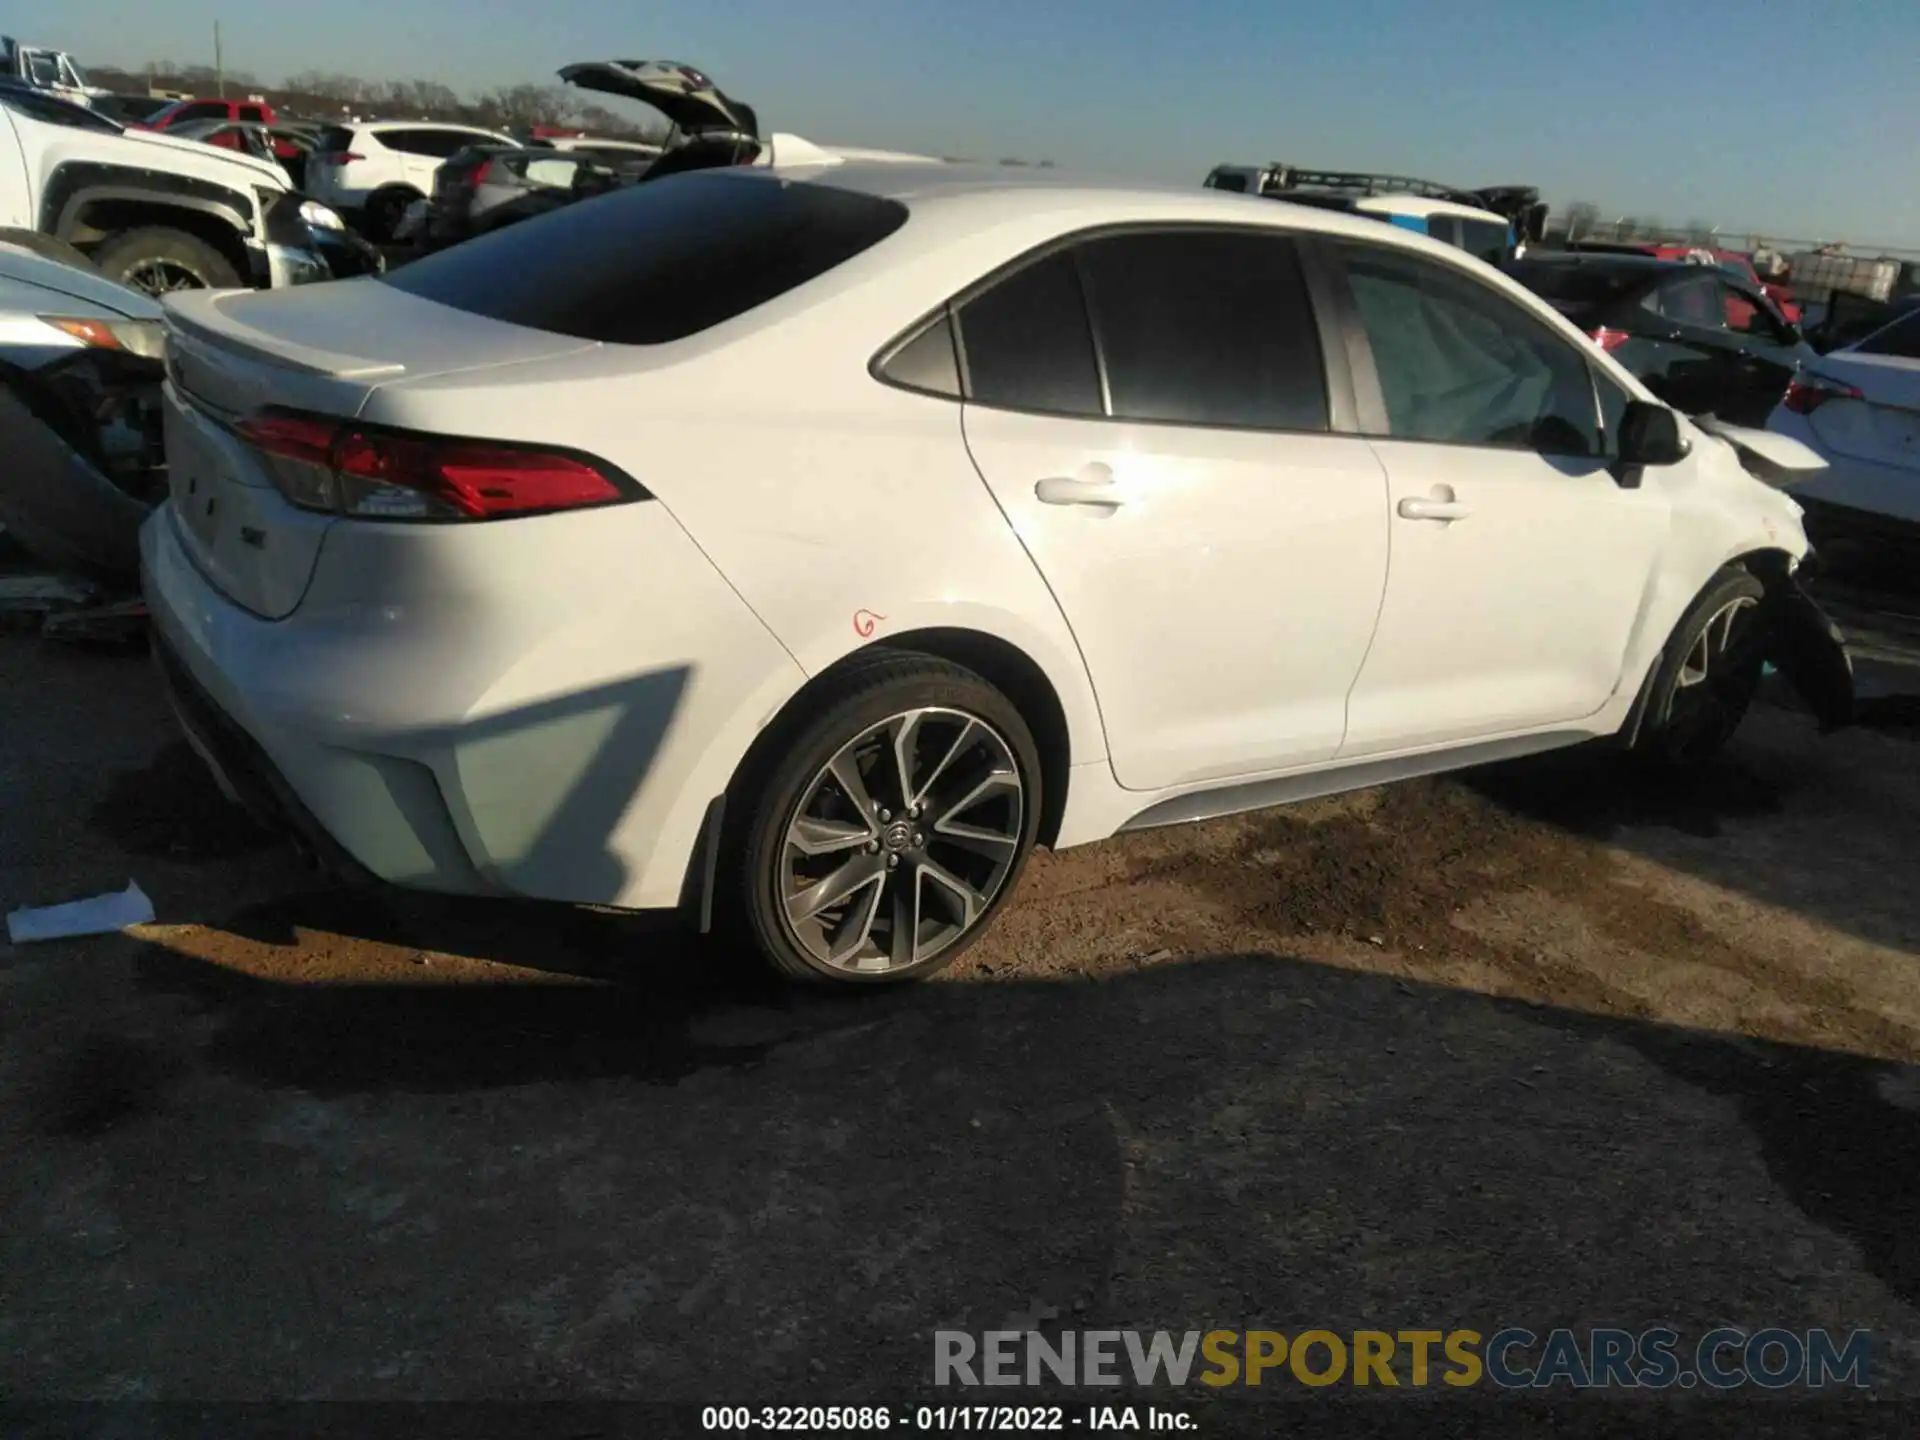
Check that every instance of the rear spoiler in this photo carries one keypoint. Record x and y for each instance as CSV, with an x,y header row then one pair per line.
x,y
197,315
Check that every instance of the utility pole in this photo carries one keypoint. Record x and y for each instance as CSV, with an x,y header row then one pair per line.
x,y
219,69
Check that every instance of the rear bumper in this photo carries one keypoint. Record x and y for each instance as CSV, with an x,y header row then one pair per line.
x,y
479,728
243,770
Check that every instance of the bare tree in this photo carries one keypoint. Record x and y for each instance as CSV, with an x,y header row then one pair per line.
x,y
1582,217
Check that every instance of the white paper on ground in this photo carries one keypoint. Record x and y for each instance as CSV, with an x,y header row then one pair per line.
x,y
99,915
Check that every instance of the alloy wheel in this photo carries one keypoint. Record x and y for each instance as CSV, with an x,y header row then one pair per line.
x,y
158,277
902,841
1714,683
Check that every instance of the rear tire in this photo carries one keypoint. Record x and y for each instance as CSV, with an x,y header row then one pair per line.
x,y
843,863
1707,676
156,259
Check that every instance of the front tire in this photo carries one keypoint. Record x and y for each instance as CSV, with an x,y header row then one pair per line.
x,y
876,841
156,259
1708,674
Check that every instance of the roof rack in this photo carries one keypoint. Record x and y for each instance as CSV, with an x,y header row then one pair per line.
x,y
1281,176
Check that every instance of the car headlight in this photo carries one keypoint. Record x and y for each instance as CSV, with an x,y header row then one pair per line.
x,y
146,338
321,217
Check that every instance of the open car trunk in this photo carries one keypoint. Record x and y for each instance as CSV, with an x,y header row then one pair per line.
x,y
711,129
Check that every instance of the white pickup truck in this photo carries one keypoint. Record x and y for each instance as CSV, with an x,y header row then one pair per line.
x,y
153,212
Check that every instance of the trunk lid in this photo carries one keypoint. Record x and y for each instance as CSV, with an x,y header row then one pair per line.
x,y
1884,427
322,349
688,98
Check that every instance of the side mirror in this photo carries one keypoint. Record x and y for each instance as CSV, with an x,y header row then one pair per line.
x,y
1650,435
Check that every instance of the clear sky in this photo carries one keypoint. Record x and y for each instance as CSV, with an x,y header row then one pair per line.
x,y
1798,119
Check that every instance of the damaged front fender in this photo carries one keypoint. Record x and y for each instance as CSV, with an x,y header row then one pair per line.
x,y
1801,641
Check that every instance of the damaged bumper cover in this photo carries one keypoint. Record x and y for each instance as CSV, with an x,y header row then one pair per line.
x,y
1802,642
85,461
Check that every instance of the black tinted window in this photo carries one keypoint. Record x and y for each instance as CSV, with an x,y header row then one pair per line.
x,y
200,110
334,139
1461,364
437,144
655,262
1027,344
1484,239
1206,328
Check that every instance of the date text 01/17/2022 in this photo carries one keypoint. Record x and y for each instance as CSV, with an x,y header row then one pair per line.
x,y
946,1419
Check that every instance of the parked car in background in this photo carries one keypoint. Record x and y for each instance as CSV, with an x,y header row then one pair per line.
x,y
1738,264
581,561
1456,217
130,110
621,154
81,363
371,172
153,212
1858,407
286,148
1697,336
485,186
53,71
183,113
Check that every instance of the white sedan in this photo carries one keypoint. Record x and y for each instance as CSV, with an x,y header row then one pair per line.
x,y
802,548
1859,410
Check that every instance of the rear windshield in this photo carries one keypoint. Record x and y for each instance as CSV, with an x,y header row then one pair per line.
x,y
1901,338
335,138
658,261
1576,288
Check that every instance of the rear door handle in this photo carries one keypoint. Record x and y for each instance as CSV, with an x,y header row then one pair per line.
x,y
1415,508
1092,486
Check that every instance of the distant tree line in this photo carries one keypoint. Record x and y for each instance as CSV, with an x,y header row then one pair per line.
x,y
318,95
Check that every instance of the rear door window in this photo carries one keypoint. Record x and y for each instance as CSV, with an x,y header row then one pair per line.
x,y
200,110
1027,342
655,263
1201,327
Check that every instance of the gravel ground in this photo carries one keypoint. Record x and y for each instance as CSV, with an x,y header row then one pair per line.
x,y
1539,1046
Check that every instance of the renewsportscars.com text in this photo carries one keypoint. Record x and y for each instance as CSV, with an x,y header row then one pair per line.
x,y
1512,1358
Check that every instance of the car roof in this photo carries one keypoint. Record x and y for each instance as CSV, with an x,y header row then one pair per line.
x,y
945,183
424,125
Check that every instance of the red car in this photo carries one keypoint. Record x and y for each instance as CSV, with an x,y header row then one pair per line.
x,y
182,112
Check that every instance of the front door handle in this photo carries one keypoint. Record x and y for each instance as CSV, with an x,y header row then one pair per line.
x,y
1415,507
1093,485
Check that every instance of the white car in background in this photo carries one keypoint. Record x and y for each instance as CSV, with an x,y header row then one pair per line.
x,y
802,547
371,172
1859,410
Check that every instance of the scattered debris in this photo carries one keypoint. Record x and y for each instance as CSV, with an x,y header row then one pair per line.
x,y
97,915
123,622
40,594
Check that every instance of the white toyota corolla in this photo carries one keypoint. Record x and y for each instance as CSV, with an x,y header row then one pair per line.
x,y
801,549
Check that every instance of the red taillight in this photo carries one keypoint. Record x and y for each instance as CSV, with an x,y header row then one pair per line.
x,y
1609,339
338,157
1810,392
480,172
380,475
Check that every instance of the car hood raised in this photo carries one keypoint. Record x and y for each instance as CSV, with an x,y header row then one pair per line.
x,y
686,96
